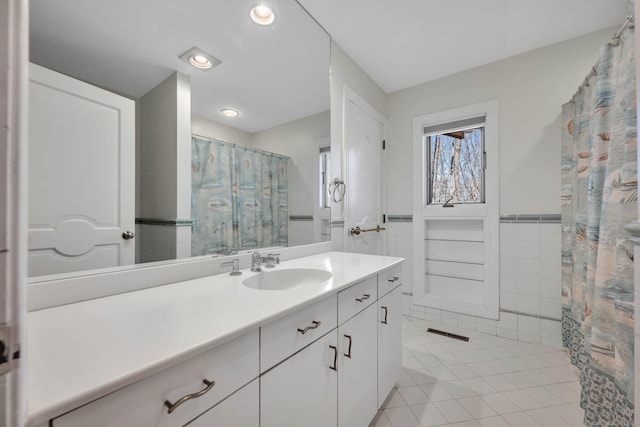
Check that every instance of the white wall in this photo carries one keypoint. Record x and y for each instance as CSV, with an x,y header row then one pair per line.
x,y
164,172
300,141
531,88
214,130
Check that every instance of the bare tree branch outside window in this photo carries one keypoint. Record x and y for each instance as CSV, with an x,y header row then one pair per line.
x,y
456,172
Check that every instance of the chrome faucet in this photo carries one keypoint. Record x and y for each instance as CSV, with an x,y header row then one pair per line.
x,y
257,261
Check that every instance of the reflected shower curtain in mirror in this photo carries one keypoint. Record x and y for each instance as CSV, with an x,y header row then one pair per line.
x,y
599,197
239,198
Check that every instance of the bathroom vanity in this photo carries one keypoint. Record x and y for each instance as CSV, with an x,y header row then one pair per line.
x,y
288,346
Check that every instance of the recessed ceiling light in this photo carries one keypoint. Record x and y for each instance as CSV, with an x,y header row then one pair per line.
x,y
200,59
262,15
229,112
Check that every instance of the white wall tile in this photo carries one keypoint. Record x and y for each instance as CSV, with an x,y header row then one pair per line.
x,y
467,322
529,324
528,249
551,288
551,307
551,269
508,267
550,233
529,304
528,267
509,301
417,311
508,321
550,251
507,333
448,318
528,232
529,286
487,326
508,249
508,231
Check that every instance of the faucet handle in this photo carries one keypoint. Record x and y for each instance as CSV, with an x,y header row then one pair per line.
x,y
235,269
272,260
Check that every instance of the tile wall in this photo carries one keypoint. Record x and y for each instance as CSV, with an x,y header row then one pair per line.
x,y
530,289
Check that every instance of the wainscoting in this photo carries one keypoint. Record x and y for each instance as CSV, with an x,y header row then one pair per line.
x,y
530,290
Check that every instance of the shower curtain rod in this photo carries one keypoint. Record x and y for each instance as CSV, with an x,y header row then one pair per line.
x,y
256,150
629,21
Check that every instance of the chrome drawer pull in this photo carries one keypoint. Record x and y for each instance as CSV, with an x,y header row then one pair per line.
x,y
316,323
172,406
393,279
386,311
364,297
348,353
335,358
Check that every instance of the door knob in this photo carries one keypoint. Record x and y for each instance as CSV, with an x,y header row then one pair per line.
x,y
128,235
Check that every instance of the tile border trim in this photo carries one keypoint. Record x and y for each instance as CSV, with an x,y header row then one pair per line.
x,y
173,222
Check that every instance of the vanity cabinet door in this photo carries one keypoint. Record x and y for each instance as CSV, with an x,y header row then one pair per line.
x,y
389,342
227,368
238,410
358,369
302,390
285,336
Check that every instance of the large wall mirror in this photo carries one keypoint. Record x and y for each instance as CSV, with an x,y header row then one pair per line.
x,y
201,179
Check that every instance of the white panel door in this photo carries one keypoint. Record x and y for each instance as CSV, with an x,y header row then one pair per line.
x,y
363,148
81,175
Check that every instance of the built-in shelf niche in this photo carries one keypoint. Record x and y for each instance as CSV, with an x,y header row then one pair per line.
x,y
457,267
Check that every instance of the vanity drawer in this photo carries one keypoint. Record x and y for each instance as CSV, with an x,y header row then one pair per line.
x,y
283,337
388,280
230,366
356,298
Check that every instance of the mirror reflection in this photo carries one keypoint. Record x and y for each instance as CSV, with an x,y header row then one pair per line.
x,y
164,129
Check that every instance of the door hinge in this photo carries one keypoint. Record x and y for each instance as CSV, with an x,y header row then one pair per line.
x,y
384,144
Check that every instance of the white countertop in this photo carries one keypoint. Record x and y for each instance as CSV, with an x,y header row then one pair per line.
x,y
79,352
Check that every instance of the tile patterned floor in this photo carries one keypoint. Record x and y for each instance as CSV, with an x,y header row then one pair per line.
x,y
486,382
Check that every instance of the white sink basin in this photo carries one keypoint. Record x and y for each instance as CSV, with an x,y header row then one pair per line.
x,y
290,278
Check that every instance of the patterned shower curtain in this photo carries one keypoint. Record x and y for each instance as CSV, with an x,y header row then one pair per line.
x,y
599,197
239,198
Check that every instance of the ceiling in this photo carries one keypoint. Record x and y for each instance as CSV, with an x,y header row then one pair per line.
x,y
402,43
279,73
272,74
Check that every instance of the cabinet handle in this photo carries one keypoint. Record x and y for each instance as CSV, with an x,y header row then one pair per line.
x,y
316,323
364,297
172,406
348,353
386,311
393,279
335,358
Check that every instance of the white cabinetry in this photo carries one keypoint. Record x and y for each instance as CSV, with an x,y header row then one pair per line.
x,y
226,368
238,410
389,342
331,363
301,391
357,373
